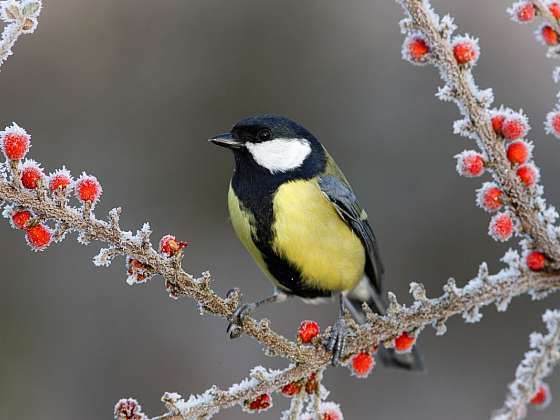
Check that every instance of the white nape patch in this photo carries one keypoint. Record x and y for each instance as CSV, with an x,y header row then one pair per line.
x,y
280,155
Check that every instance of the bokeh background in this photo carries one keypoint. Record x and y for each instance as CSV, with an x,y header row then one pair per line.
x,y
131,90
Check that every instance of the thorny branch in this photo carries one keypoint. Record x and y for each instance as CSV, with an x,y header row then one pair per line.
x,y
537,364
34,199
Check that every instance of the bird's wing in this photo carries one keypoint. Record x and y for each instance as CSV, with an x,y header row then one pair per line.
x,y
339,193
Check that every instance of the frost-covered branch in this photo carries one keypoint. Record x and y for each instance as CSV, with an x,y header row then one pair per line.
x,y
537,364
35,201
515,192
548,33
47,208
20,18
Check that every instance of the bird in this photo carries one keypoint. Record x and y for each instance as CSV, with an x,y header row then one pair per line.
x,y
298,217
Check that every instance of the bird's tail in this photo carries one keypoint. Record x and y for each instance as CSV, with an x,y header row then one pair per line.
x,y
389,357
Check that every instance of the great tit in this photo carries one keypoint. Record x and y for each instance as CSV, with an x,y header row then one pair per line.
x,y
295,212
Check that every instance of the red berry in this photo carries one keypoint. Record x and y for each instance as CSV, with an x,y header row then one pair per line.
x,y
489,197
416,49
518,152
88,189
497,123
20,218
291,389
501,227
549,35
552,123
465,50
330,411
362,364
554,8
470,163
525,12
60,180
31,175
536,260
307,331
404,342
528,174
515,127
542,396
39,237
261,403
169,246
15,142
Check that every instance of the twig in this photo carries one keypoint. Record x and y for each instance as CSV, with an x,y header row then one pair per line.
x,y
537,364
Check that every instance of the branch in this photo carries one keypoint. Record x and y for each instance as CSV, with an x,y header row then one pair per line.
x,y
454,58
35,200
537,364
21,18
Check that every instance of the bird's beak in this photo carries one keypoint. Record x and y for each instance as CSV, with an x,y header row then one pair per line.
x,y
226,140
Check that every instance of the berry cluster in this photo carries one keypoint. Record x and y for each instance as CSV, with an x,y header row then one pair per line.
x,y
28,175
511,151
526,11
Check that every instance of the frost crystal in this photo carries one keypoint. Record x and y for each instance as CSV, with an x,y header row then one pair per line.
x,y
105,257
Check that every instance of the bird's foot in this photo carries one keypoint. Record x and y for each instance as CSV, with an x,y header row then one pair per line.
x,y
235,326
336,340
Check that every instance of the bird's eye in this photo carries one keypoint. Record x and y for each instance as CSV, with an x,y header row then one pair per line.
x,y
264,135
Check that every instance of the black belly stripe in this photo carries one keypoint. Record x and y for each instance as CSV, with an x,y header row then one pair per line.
x,y
255,187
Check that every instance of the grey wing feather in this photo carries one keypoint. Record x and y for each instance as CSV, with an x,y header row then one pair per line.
x,y
344,200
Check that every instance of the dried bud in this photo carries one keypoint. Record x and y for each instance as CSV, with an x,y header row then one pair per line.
x,y
311,386
291,389
261,403
129,409
169,246
307,331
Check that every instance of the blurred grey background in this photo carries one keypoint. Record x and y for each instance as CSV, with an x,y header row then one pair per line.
x,y
130,90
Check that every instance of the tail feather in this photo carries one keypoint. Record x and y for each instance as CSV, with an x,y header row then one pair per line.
x,y
411,361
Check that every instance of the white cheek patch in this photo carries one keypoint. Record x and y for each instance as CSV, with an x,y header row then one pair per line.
x,y
280,155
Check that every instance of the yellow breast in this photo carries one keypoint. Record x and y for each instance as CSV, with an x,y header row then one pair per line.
x,y
243,224
311,235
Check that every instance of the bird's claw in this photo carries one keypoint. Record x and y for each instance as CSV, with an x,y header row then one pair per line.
x,y
235,326
336,341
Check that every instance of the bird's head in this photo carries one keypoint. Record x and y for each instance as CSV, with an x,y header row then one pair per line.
x,y
271,142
